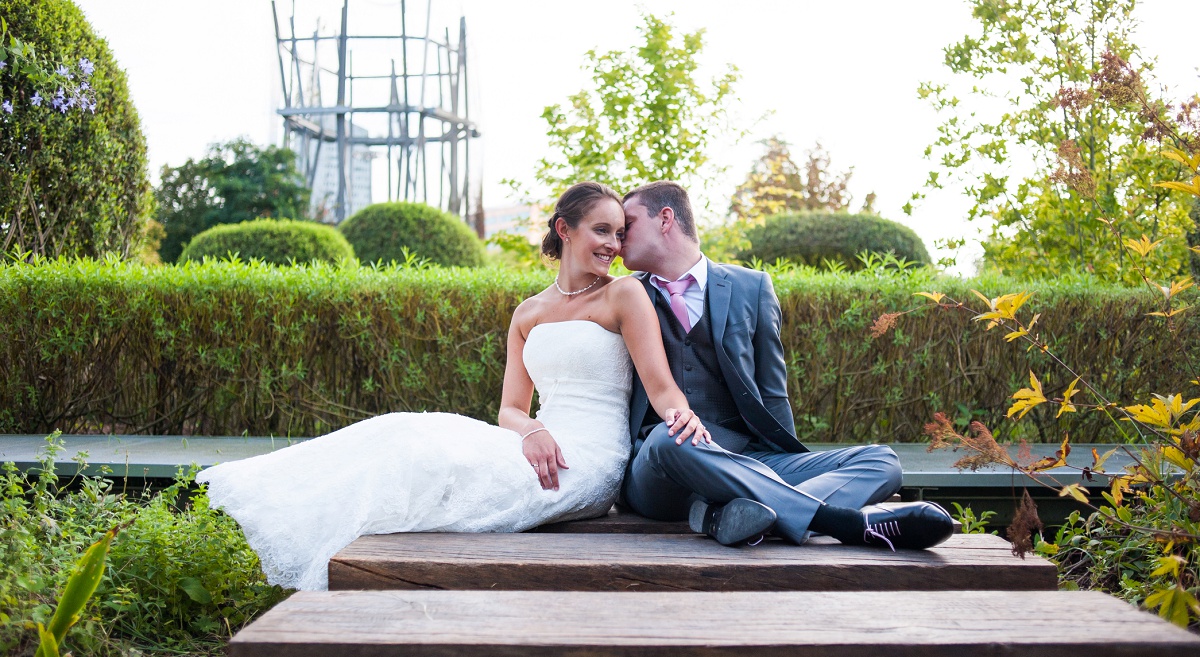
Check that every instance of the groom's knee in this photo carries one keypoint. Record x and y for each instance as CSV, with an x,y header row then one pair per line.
x,y
661,447
887,462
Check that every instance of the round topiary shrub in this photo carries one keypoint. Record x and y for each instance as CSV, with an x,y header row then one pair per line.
x,y
275,241
73,170
381,232
812,237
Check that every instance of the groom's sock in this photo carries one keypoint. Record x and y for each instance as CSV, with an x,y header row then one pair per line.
x,y
843,523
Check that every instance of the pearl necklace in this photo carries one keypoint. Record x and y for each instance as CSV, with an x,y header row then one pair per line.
x,y
571,294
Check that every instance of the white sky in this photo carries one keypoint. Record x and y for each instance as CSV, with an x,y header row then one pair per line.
x,y
841,72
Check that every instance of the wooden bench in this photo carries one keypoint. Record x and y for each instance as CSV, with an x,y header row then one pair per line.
x,y
828,624
674,562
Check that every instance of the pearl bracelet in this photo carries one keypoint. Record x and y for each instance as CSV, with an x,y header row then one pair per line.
x,y
533,432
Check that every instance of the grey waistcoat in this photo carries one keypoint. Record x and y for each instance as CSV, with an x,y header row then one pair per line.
x,y
694,366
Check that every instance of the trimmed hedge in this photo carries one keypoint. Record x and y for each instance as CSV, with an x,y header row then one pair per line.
x,y
220,348
812,237
380,233
274,241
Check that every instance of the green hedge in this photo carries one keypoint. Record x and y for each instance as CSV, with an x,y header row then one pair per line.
x,y
274,241
812,237
224,348
381,233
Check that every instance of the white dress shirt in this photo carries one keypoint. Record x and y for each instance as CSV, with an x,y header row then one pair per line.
x,y
693,297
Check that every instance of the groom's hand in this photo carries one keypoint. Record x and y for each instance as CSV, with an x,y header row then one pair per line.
x,y
545,457
686,423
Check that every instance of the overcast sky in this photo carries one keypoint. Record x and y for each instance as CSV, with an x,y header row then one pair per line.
x,y
844,73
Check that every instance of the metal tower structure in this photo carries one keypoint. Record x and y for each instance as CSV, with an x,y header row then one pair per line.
x,y
409,103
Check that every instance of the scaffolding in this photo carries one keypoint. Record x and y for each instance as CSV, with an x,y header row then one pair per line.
x,y
416,84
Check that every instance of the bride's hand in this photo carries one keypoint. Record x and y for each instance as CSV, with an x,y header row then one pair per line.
x,y
544,455
686,423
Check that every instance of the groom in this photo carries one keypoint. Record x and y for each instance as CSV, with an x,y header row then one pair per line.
x,y
720,326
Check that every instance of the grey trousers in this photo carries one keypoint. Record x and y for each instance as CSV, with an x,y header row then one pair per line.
x,y
664,478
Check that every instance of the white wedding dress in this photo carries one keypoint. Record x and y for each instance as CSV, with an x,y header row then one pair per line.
x,y
437,472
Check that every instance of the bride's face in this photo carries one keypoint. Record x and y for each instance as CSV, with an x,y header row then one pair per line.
x,y
596,241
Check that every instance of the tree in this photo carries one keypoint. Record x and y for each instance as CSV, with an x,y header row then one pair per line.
x,y
73,172
235,182
775,185
1039,62
647,117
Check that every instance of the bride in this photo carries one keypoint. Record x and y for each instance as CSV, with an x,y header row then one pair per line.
x,y
576,342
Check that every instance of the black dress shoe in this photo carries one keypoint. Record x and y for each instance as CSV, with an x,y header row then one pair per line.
x,y
911,526
739,521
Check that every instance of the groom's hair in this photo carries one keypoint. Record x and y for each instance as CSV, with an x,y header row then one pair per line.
x,y
667,194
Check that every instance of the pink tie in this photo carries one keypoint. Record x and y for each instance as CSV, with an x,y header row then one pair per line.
x,y
676,290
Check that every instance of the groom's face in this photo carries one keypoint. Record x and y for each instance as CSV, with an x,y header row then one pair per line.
x,y
642,235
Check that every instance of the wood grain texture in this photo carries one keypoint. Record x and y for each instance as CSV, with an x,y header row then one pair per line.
x,y
650,562
824,624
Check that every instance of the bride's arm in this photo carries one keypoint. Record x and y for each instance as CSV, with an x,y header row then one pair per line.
x,y
639,327
538,445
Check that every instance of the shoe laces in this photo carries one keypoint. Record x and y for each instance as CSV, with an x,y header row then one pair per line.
x,y
882,531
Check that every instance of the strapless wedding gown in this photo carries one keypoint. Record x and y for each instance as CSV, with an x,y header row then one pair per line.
x,y
438,472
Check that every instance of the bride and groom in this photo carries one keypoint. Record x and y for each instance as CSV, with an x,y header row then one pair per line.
x,y
682,362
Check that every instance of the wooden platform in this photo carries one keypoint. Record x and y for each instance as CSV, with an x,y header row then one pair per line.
x,y
826,624
674,562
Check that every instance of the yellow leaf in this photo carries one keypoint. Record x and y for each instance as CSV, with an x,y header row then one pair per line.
x,y
1176,456
1190,161
985,299
1098,461
1173,604
1015,334
1027,398
1179,286
1142,247
1067,406
1168,564
1076,491
1033,321
1193,188
935,296
1120,485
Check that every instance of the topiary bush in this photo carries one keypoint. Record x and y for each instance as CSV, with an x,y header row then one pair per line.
x,y
73,171
813,237
380,233
274,241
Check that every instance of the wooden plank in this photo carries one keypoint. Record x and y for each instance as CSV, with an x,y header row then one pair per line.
x,y
620,520
648,562
819,624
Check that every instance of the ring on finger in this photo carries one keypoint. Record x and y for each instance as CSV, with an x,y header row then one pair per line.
x,y
535,465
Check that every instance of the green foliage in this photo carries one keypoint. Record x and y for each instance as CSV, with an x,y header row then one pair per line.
x,y
278,242
180,576
219,348
79,589
776,185
972,524
71,183
812,238
235,182
387,232
1042,161
646,118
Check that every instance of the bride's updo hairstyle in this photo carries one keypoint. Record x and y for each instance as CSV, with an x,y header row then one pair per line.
x,y
572,206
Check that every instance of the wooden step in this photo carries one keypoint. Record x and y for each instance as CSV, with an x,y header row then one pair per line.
x,y
620,520
652,562
828,624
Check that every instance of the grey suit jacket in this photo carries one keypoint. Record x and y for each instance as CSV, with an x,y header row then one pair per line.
x,y
745,318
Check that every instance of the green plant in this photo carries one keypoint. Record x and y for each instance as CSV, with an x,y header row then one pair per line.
x,y
972,524
647,116
1144,543
811,238
1021,127
180,577
73,178
273,241
386,232
234,182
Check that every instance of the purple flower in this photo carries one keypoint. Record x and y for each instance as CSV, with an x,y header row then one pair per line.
x,y
36,100
3,64
63,71
86,67
7,105
85,86
59,100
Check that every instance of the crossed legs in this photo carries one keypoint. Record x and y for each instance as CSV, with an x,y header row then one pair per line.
x,y
664,478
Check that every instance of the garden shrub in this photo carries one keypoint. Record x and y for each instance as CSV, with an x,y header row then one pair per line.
x,y
387,232
72,182
811,238
220,348
274,241
180,576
